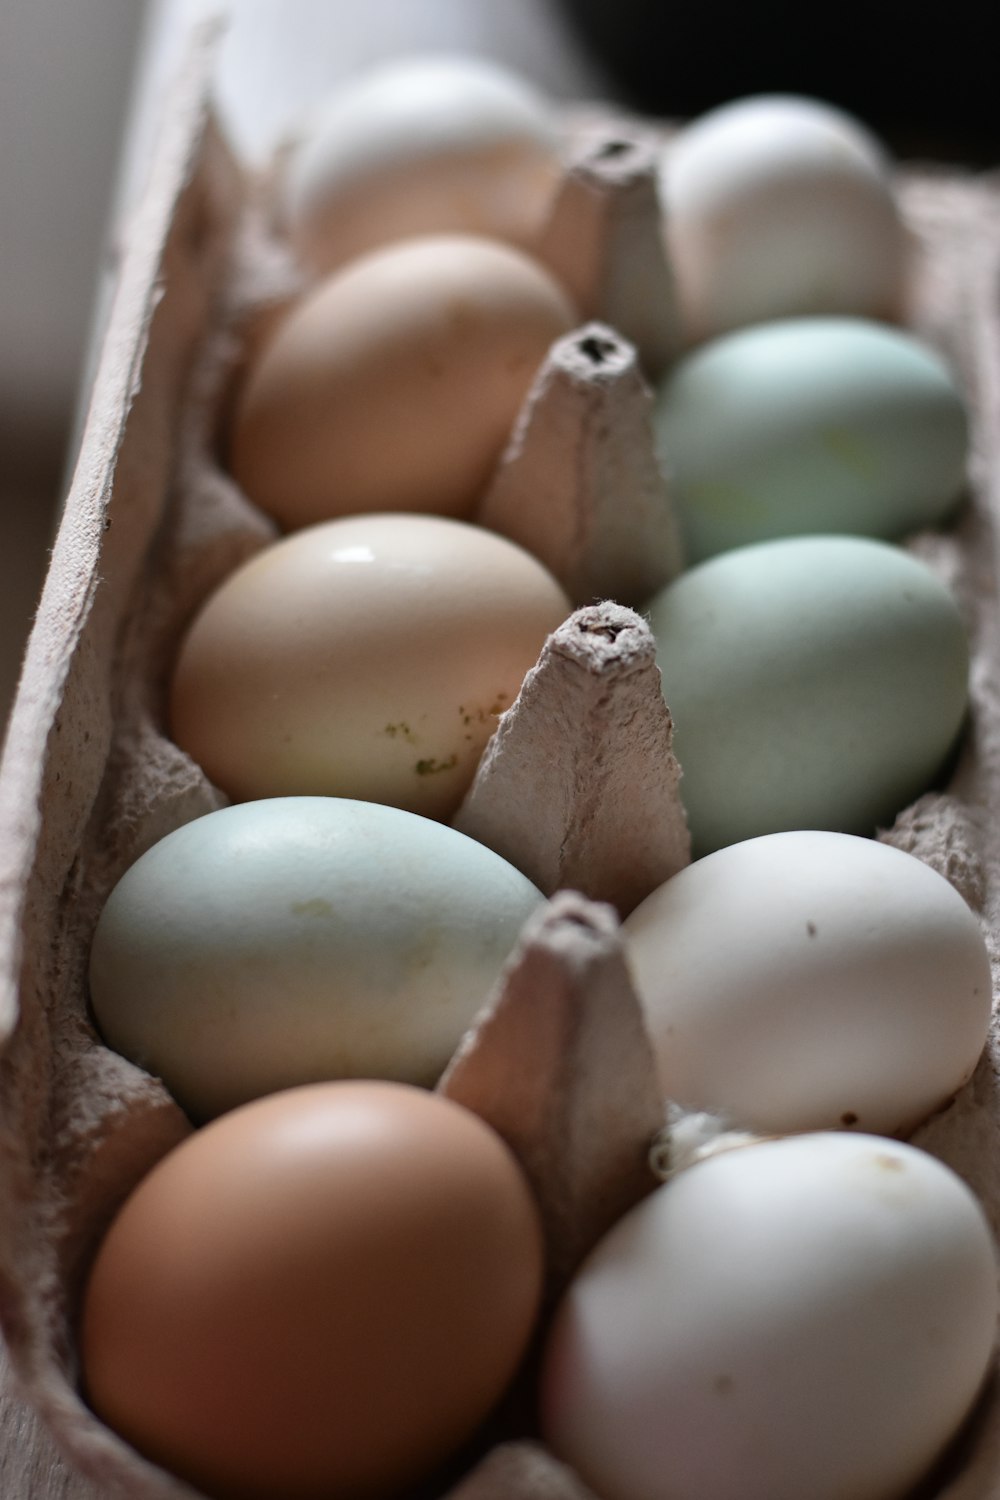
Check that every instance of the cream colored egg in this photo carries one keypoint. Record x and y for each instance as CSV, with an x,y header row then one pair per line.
x,y
806,980
777,205
422,145
395,384
812,1316
368,657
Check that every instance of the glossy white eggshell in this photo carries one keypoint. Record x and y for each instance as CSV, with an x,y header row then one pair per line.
x,y
298,939
807,980
812,1316
777,205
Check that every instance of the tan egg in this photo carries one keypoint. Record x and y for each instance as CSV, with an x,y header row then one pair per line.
x,y
395,384
321,1294
367,657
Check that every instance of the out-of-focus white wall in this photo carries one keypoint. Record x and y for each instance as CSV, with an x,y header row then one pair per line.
x,y
279,57
65,76
66,69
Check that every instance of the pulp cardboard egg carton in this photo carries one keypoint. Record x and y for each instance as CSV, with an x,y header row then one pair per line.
x,y
578,785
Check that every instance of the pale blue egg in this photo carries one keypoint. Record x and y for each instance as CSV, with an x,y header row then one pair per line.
x,y
810,425
814,682
298,939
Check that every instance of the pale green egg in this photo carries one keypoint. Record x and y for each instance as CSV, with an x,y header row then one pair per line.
x,y
814,682
810,425
299,939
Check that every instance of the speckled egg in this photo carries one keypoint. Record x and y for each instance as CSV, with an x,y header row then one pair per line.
x,y
368,657
811,980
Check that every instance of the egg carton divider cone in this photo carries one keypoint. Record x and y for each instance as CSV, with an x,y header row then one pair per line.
x,y
604,238
579,485
578,784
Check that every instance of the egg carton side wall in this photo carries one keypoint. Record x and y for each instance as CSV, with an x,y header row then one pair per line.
x,y
76,1128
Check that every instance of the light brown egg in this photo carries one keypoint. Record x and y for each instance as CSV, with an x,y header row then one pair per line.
x,y
321,1294
395,384
367,657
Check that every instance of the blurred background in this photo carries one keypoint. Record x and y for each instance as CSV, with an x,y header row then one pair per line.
x,y
923,79
65,72
81,89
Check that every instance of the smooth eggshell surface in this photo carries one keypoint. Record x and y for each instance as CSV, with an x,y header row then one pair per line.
x,y
814,682
808,980
777,205
810,425
367,657
394,385
317,1297
418,146
808,1316
298,939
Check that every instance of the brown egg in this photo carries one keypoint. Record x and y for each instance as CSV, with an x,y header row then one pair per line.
x,y
367,657
395,384
320,1294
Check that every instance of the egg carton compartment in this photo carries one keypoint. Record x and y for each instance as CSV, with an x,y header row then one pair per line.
x,y
578,786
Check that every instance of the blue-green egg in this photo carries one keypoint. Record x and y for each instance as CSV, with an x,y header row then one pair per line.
x,y
807,426
297,939
814,682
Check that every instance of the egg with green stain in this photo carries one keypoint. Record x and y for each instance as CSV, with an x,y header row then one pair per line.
x,y
299,939
367,657
811,425
814,682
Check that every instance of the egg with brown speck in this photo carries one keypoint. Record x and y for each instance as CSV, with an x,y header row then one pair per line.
x,y
367,657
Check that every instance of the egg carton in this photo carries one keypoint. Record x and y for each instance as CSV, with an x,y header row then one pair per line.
x,y
578,786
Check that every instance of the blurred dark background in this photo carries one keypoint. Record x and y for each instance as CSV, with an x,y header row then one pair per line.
x,y
928,81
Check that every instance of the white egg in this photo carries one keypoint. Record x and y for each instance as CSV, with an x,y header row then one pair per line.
x,y
777,205
298,939
805,980
811,1316
422,145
